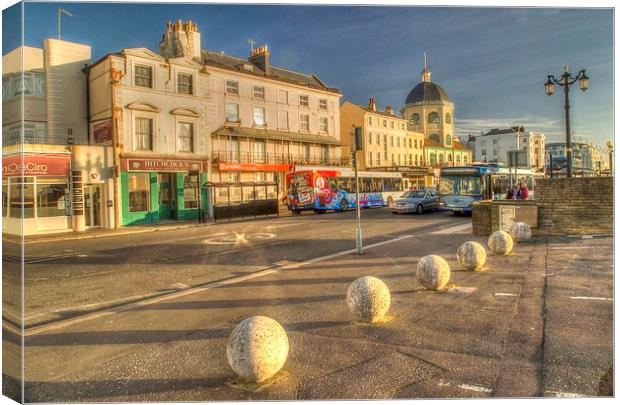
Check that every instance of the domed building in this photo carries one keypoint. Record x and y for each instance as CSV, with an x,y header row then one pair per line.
x,y
428,110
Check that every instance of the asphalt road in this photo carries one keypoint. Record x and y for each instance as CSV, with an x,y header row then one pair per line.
x,y
69,278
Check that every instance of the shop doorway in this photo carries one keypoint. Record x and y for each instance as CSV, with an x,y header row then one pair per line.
x,y
92,205
167,196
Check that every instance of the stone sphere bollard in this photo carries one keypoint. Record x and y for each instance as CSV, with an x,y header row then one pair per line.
x,y
433,272
368,298
520,232
471,255
500,242
257,348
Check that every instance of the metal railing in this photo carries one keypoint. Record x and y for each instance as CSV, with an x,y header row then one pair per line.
x,y
277,158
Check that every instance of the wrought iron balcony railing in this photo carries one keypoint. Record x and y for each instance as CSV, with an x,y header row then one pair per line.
x,y
277,158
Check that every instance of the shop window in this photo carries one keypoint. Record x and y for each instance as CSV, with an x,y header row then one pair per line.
x,y
5,197
323,124
184,83
232,112
138,188
272,192
232,87
259,115
304,122
190,191
19,191
143,76
144,133
186,137
51,196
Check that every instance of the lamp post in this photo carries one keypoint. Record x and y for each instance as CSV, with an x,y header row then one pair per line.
x,y
565,81
610,149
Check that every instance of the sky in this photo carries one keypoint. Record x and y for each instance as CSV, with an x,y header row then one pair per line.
x,y
492,62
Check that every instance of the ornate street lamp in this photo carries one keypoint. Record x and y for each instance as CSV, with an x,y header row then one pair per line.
x,y
565,81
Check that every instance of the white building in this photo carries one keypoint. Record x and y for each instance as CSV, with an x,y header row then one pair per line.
x,y
494,146
586,158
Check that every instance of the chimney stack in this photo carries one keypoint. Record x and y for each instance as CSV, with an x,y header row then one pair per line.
x,y
371,104
260,58
389,110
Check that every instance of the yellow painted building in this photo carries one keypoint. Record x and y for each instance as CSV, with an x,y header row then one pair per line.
x,y
387,144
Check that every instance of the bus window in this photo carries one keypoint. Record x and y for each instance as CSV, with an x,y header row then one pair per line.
x,y
365,185
331,183
398,183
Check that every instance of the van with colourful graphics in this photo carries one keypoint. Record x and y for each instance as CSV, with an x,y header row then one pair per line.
x,y
322,190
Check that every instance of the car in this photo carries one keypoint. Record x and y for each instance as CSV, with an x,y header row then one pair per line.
x,y
416,201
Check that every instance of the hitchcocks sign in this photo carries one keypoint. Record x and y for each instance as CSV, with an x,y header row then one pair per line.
x,y
36,165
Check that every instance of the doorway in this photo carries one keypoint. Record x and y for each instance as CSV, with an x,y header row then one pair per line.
x,y
166,195
92,205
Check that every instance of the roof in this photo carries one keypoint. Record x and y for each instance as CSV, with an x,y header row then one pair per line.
x,y
219,59
511,130
455,145
278,135
425,92
386,114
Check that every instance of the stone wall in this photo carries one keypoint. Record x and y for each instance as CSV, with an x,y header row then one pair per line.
x,y
481,218
575,206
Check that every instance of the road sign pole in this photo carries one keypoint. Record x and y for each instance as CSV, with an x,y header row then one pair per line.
x,y
358,239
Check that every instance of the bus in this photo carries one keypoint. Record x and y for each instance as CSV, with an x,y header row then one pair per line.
x,y
334,189
460,186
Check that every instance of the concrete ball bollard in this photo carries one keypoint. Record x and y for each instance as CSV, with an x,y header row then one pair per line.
x,y
500,242
471,255
433,272
368,298
520,232
257,348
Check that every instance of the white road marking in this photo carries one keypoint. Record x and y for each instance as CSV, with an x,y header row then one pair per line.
x,y
453,229
474,388
165,297
505,295
560,394
592,298
462,290
548,274
283,225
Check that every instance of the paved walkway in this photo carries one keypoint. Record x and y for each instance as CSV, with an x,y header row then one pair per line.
x,y
535,323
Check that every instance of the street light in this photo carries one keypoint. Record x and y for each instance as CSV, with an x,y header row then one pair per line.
x,y
610,149
565,81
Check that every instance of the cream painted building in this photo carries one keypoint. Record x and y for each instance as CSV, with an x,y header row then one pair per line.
x,y
387,143
43,162
494,146
265,120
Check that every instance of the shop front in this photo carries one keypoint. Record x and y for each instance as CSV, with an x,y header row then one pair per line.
x,y
160,189
35,193
252,172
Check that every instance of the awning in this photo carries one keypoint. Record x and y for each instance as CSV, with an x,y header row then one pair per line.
x,y
277,135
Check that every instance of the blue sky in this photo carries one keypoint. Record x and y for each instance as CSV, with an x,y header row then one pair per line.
x,y
491,61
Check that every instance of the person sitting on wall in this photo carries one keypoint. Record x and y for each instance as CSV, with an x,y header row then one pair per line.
x,y
524,192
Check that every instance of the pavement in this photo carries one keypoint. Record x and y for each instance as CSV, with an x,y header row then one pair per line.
x,y
536,323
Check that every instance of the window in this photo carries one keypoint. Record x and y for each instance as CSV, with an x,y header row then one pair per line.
x,y
5,196
282,119
282,97
259,92
417,160
232,87
378,139
186,137
143,76
305,152
303,100
414,119
432,158
434,137
402,126
384,123
449,157
34,132
440,158
369,138
410,144
385,146
138,189
378,158
21,190
184,83
448,118
232,112
369,158
458,158
304,122
323,104
52,193
465,159
369,120
259,151
398,141
448,140
324,154
144,133
410,159
234,150
393,161
433,118
391,124
31,84
259,115
190,191
415,143
494,141
323,124
391,140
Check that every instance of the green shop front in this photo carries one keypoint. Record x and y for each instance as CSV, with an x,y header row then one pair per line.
x,y
161,189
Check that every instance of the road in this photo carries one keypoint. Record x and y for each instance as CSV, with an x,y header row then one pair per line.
x,y
67,279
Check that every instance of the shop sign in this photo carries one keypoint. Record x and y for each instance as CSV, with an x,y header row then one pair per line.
x,y
254,167
103,131
36,165
77,197
163,165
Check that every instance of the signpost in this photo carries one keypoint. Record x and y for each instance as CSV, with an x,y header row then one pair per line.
x,y
516,159
357,131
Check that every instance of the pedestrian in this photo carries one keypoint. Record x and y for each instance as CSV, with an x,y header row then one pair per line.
x,y
524,192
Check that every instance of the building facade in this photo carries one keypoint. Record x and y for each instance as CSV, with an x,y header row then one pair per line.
x,y
47,161
587,159
494,146
387,143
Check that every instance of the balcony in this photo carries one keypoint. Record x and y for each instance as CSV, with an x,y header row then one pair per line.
x,y
277,158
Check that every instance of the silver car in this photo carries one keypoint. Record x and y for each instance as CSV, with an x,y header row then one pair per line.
x,y
416,201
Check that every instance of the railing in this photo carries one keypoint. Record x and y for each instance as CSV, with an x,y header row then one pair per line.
x,y
42,140
277,158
